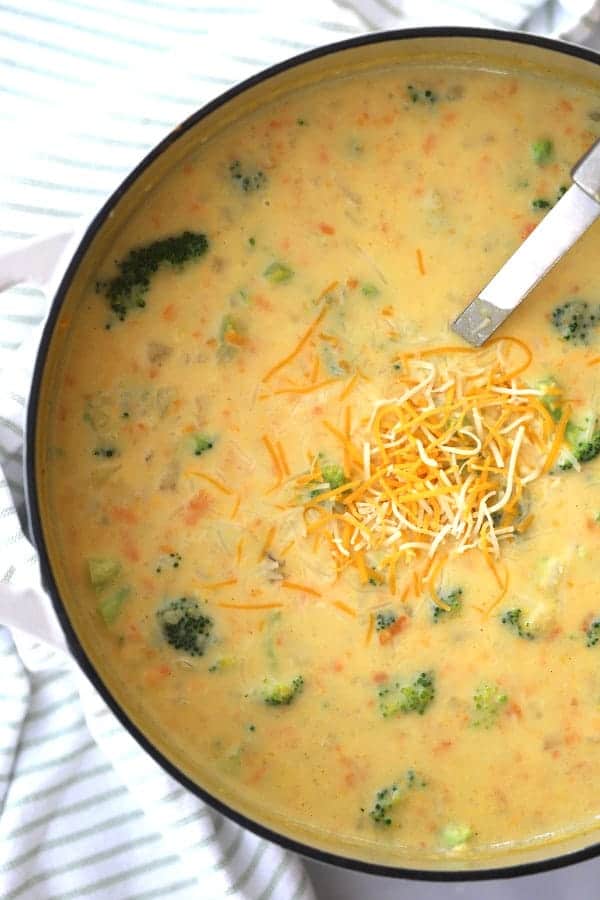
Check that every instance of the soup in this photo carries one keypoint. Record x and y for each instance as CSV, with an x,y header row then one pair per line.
x,y
345,566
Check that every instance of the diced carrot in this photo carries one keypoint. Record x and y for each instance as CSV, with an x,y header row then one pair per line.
x,y
197,507
326,229
429,143
527,229
395,628
124,514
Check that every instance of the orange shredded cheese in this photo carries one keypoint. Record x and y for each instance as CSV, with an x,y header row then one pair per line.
x,y
214,481
442,466
293,586
301,343
268,541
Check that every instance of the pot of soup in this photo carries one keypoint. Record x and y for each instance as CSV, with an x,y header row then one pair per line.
x,y
335,570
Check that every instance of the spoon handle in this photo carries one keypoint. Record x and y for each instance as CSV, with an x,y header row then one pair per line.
x,y
577,209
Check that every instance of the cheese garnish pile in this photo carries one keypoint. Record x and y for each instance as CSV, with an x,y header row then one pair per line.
x,y
441,468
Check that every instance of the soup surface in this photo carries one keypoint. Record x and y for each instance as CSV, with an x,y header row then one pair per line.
x,y
354,581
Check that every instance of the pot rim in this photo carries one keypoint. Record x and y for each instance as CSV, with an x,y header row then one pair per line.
x,y
31,486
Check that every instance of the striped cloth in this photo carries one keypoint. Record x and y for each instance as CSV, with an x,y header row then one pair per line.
x,y
85,90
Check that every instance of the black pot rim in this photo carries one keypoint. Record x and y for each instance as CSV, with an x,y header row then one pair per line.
x,y
31,486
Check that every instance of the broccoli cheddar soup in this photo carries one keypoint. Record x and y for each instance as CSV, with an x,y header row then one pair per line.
x,y
343,563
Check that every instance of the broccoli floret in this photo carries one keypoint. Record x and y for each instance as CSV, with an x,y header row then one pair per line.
x,y
583,442
111,606
454,835
385,801
453,599
201,444
389,797
278,273
400,697
247,181
488,701
384,620
540,203
588,450
283,693
542,151
103,570
575,320
332,475
592,633
127,290
515,620
184,626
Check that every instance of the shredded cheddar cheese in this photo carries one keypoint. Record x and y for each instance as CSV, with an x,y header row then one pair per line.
x,y
440,469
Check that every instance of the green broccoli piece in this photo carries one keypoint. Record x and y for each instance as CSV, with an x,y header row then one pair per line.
x,y
552,396
106,451
426,96
278,273
127,290
332,475
592,633
514,619
103,570
575,320
369,289
168,561
184,626
542,151
540,203
111,606
453,599
283,693
488,702
401,697
247,181
389,797
201,444
384,620
583,443
455,835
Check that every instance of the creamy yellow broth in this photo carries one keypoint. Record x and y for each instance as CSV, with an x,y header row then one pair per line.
x,y
346,226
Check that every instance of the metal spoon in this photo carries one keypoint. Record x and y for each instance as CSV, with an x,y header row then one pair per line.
x,y
577,209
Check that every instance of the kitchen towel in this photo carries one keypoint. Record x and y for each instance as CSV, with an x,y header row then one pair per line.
x,y
86,90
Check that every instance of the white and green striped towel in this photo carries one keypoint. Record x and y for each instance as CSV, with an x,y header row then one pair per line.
x,y
86,88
